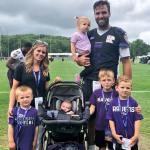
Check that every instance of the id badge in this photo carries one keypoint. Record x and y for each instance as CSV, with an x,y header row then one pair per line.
x,y
38,100
126,144
96,85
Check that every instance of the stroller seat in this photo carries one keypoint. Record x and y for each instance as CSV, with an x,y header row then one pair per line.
x,y
64,127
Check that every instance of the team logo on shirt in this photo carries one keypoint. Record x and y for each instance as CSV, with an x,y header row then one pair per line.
x,y
104,100
25,121
123,109
110,39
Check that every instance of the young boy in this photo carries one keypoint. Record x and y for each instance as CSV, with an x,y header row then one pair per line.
x,y
23,125
100,101
123,119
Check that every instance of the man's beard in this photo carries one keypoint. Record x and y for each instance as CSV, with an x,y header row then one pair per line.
x,y
103,23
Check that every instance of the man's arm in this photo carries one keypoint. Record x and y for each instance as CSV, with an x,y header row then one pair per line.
x,y
127,68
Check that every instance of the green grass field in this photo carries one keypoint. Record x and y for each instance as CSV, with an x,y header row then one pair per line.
x,y
67,70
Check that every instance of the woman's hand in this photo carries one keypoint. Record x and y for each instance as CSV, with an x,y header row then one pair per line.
x,y
10,112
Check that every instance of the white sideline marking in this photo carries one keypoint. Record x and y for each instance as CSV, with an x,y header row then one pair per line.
x,y
4,92
140,91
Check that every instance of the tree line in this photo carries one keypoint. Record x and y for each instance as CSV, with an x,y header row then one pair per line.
x,y
58,44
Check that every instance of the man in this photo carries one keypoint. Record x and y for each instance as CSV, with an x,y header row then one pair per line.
x,y
108,44
17,56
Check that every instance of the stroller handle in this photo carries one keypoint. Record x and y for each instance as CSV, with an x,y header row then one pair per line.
x,y
53,122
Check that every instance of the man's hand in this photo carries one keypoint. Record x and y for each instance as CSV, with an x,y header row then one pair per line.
x,y
138,109
83,60
12,145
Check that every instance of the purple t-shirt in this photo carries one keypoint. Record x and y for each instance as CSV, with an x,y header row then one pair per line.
x,y
101,101
82,43
123,113
24,123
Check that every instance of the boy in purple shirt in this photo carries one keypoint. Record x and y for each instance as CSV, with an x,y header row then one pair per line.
x,y
123,119
100,101
23,125
80,44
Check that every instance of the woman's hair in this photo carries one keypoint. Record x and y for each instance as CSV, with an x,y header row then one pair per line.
x,y
80,19
30,58
106,72
22,88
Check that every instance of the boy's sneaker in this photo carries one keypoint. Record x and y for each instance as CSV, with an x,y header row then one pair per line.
x,y
77,78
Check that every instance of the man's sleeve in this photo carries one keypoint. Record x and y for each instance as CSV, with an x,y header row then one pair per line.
x,y
124,50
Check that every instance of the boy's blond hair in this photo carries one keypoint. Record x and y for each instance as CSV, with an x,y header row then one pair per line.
x,y
81,19
123,78
22,88
106,72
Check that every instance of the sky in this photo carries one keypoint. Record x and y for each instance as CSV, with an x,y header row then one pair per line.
x,y
56,17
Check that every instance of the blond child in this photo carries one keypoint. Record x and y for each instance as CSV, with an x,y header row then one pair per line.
x,y
99,103
66,107
123,119
80,44
23,125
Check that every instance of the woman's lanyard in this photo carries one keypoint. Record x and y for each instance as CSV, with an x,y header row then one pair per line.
x,y
37,77
107,103
124,115
20,121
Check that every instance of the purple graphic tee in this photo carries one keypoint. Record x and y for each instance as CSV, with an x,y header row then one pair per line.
x,y
101,100
123,113
24,123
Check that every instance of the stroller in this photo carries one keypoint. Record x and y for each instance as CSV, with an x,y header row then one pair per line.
x,y
63,131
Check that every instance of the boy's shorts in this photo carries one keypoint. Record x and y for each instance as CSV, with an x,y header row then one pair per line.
x,y
100,140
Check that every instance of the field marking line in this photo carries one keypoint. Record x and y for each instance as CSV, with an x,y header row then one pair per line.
x,y
5,92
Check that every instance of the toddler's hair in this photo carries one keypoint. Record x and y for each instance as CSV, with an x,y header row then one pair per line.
x,y
22,88
80,19
123,78
67,101
106,72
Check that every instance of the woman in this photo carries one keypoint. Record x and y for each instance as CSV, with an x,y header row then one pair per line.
x,y
33,73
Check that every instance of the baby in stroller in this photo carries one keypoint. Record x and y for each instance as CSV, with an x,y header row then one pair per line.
x,y
65,111
66,117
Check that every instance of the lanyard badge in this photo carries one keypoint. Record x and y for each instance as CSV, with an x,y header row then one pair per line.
x,y
107,101
124,114
37,77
